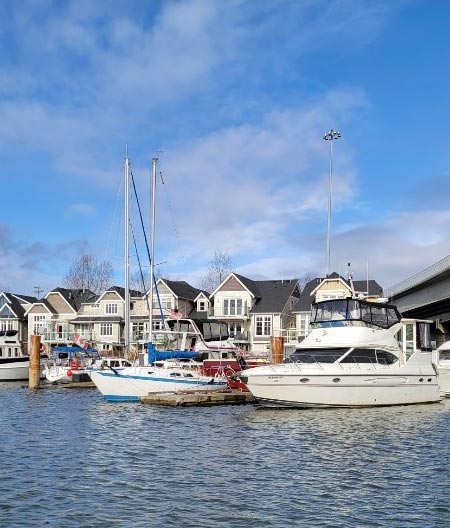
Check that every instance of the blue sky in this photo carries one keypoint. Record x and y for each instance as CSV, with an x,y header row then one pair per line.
x,y
237,95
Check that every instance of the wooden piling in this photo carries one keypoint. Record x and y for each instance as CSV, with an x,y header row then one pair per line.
x,y
34,370
276,349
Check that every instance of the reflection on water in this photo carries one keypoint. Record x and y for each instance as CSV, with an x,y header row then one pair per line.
x,y
71,459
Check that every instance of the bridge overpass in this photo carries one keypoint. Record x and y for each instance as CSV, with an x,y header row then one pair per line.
x,y
426,295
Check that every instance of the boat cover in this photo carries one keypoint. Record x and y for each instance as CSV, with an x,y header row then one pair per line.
x,y
161,355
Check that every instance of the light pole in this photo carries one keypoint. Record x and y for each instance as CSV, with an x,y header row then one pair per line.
x,y
330,136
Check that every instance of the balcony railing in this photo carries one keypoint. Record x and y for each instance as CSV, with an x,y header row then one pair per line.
x,y
65,336
218,312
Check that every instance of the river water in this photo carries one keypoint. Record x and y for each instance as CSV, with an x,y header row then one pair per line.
x,y
70,459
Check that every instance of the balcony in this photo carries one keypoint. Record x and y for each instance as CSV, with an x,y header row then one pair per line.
x,y
216,312
65,336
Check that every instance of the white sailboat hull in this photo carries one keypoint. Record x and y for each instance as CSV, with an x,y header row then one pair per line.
x,y
133,383
281,386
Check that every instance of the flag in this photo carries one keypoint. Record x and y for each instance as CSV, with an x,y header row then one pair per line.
x,y
80,341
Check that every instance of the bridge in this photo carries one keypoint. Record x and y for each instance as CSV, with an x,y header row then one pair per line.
x,y
426,295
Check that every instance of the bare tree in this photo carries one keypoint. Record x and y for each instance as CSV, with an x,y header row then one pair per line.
x,y
219,266
140,280
306,277
87,272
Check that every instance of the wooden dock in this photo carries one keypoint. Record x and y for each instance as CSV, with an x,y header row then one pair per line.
x,y
198,399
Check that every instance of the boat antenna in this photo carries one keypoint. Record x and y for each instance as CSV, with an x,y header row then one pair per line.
x,y
350,278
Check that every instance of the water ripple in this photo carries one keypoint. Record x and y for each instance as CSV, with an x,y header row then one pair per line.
x,y
70,459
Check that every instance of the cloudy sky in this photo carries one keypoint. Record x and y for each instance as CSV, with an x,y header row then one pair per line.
x,y
234,97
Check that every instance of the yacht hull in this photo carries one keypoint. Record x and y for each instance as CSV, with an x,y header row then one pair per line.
x,y
133,383
343,390
15,369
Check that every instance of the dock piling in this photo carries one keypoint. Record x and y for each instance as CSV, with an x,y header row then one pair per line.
x,y
34,370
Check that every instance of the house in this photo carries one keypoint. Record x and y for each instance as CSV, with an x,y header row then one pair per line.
x,y
101,318
255,310
181,296
52,316
13,308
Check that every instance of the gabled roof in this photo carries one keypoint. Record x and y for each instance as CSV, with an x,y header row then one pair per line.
x,y
16,306
374,287
249,284
274,295
182,289
42,302
203,293
121,292
74,297
304,304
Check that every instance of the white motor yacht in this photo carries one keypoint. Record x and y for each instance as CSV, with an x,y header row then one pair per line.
x,y
14,361
358,354
443,366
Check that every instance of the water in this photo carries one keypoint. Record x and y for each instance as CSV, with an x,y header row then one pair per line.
x,y
70,459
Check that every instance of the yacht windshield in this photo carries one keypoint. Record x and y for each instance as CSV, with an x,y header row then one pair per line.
x,y
369,355
316,355
337,312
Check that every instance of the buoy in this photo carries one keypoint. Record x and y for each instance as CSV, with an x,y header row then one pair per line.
x,y
69,373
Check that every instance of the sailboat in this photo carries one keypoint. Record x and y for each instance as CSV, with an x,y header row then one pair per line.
x,y
160,371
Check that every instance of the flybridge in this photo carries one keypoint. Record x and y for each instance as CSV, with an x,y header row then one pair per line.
x,y
337,312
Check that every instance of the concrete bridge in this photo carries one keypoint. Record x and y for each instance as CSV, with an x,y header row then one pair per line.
x,y
426,295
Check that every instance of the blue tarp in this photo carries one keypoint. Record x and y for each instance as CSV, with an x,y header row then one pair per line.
x,y
159,355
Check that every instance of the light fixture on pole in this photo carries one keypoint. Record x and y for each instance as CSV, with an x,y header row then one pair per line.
x,y
330,136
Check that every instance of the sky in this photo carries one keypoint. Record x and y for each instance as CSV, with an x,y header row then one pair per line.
x,y
233,97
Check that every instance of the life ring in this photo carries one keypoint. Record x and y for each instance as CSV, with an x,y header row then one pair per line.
x,y
74,364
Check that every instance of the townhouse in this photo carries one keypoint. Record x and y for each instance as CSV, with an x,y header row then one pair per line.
x,y
255,311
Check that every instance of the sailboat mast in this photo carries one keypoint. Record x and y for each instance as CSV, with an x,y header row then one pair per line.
x,y
126,331
152,245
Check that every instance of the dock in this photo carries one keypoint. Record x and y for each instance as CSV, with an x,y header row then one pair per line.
x,y
198,399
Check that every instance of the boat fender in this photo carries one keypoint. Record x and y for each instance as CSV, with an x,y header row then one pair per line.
x,y
43,348
69,373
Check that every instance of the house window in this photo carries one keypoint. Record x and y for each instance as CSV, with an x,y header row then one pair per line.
x,y
263,326
166,304
38,324
111,308
234,329
6,324
106,329
201,306
137,330
304,326
232,306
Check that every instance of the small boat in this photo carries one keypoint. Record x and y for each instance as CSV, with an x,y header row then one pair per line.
x,y
443,366
67,362
14,362
353,357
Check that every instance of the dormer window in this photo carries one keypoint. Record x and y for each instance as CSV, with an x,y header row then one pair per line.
x,y
202,306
